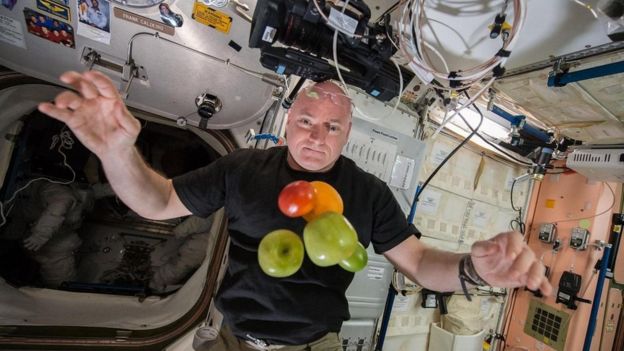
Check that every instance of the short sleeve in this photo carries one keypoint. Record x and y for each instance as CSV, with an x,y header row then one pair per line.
x,y
390,226
203,190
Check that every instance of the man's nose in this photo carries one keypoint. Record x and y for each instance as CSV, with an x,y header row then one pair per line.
x,y
318,134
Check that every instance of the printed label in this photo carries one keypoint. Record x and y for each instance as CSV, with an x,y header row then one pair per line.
x,y
11,32
211,17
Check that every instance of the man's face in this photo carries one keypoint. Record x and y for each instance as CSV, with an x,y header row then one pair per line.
x,y
318,127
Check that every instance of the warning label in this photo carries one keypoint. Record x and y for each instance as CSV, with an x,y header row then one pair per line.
x,y
211,17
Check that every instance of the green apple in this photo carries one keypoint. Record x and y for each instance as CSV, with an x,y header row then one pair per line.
x,y
329,239
280,253
357,261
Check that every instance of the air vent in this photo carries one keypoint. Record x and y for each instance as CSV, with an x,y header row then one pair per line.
x,y
547,324
598,164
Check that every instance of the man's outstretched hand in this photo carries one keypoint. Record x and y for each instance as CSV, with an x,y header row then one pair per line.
x,y
95,113
506,261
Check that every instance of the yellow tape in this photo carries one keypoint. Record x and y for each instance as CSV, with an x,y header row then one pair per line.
x,y
211,17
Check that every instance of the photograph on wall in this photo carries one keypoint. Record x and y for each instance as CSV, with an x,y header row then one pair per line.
x,y
49,28
94,20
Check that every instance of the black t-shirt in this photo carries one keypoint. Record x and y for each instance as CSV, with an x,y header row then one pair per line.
x,y
310,303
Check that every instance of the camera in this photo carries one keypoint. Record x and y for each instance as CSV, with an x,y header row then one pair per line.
x,y
307,44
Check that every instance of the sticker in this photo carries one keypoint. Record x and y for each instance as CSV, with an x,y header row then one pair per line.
x,y
585,223
169,17
49,28
439,152
375,273
269,34
211,17
54,8
550,203
480,218
143,21
401,303
341,20
9,4
429,202
11,32
94,20
402,172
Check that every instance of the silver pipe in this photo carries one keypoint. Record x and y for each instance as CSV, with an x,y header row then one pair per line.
x,y
267,78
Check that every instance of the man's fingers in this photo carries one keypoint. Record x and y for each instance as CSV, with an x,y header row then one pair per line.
x,y
70,77
103,84
68,99
536,275
515,245
62,114
521,265
545,287
81,83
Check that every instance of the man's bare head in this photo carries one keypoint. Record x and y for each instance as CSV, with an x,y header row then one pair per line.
x,y
318,127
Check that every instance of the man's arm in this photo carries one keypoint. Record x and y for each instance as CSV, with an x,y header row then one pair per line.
x,y
503,261
99,118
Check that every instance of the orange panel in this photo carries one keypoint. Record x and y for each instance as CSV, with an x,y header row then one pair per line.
x,y
566,199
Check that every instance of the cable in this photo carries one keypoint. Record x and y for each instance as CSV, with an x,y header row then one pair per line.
x,y
518,220
65,141
411,43
596,215
424,185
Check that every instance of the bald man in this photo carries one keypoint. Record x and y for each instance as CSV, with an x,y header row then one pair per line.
x,y
304,311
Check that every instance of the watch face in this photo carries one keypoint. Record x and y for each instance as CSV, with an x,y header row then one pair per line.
x,y
138,3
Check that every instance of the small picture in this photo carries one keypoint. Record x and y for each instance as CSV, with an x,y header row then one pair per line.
x,y
169,17
9,4
94,20
95,13
49,28
55,8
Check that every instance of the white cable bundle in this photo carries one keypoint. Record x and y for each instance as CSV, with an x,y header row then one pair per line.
x,y
412,48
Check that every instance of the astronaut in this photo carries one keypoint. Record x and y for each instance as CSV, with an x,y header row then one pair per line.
x,y
47,216
198,242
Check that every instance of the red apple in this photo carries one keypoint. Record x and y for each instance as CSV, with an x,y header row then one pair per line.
x,y
296,199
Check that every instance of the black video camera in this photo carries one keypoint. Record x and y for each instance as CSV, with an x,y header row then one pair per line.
x,y
298,24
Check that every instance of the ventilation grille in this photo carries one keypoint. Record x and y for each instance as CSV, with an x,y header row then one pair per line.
x,y
598,164
583,157
547,324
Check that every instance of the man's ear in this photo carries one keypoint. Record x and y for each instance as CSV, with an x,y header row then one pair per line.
x,y
349,129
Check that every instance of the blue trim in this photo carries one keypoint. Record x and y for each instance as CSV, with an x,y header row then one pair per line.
x,y
559,80
520,122
385,319
591,328
391,292
410,218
